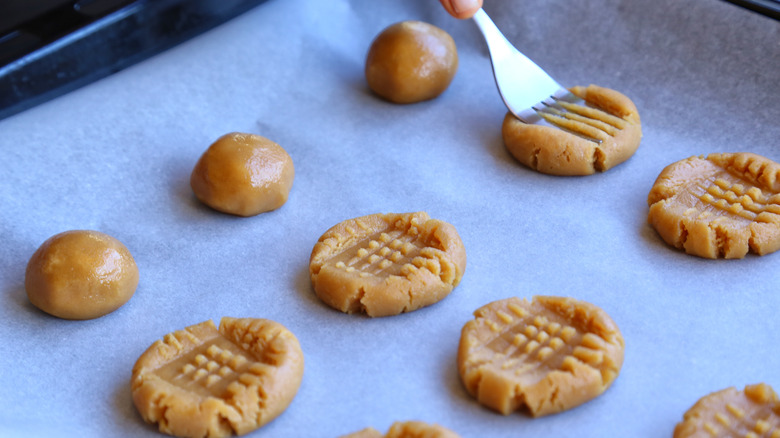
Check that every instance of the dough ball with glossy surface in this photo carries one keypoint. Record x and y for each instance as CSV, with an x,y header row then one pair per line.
x,y
81,275
411,61
243,174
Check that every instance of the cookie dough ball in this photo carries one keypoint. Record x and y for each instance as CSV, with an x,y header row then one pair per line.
x,y
411,61
81,275
589,139
243,174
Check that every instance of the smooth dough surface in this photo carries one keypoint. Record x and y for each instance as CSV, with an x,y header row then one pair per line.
x,y
80,274
386,264
203,382
411,61
243,174
610,117
546,355
719,206
753,412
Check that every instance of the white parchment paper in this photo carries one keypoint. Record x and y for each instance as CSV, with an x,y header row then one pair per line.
x,y
116,157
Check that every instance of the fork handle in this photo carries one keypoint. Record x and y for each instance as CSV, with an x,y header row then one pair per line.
x,y
505,50
512,71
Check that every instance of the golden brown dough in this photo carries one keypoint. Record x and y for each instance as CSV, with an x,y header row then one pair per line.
x,y
610,117
385,264
80,274
411,61
721,206
729,413
368,432
408,429
243,174
200,382
549,355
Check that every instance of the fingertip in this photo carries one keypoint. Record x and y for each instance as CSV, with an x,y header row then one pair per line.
x,y
462,9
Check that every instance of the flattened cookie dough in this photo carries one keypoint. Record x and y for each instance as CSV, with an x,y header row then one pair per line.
x,y
549,355
204,382
721,206
752,413
385,264
408,429
609,133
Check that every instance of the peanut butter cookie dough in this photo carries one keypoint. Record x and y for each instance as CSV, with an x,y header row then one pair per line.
x,y
385,264
721,206
204,382
549,355
411,61
80,274
753,413
408,429
596,138
243,174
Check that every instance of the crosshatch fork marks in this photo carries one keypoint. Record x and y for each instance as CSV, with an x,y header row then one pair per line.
x,y
547,355
398,250
383,253
735,198
718,206
751,413
386,264
536,344
200,381
209,369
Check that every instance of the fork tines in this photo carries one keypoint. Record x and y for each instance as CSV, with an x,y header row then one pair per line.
x,y
571,114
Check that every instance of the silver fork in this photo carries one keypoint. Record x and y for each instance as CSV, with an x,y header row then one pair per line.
x,y
528,91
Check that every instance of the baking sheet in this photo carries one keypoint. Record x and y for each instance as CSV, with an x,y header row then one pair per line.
x,y
116,157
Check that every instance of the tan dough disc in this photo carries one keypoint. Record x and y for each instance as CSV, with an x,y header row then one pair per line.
x,y
407,429
721,206
204,382
609,133
730,413
548,355
385,264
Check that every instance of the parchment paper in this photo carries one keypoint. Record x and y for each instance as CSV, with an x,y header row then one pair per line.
x,y
116,157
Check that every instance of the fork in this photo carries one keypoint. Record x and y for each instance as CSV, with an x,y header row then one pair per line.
x,y
531,94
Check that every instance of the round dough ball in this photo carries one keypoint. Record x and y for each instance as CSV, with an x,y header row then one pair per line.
x,y
411,61
243,174
80,275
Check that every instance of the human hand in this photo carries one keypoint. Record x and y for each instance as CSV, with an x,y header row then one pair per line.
x,y
461,8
